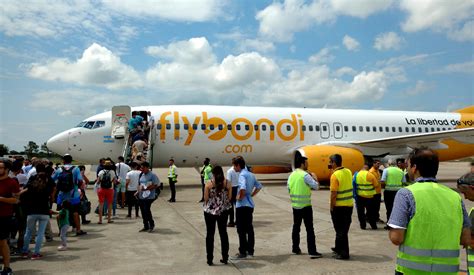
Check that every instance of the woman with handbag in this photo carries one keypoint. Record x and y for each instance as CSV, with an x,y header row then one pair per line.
x,y
217,195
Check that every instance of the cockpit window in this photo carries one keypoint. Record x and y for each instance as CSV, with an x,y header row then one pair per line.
x,y
80,125
99,124
89,124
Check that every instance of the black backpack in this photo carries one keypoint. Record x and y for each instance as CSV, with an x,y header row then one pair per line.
x,y
65,179
106,180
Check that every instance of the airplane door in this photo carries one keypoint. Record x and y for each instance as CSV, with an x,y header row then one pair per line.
x,y
325,131
337,130
120,117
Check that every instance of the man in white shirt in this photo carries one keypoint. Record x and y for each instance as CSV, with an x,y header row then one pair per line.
x,y
132,181
233,177
122,170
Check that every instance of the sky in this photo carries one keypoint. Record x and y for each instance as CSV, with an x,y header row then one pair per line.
x,y
63,61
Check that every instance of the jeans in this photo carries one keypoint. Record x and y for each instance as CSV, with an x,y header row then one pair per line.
x,y
244,217
221,221
306,215
389,197
63,234
232,204
172,188
145,207
131,202
366,212
341,218
114,204
30,226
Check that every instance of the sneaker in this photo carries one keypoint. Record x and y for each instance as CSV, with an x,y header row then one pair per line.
x,y
86,222
62,248
81,232
36,256
239,256
231,224
151,229
143,230
25,255
223,261
340,257
250,255
171,200
7,271
316,255
296,251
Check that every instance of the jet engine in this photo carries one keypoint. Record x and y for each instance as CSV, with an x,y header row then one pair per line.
x,y
318,159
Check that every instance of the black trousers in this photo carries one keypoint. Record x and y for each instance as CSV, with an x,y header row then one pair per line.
x,y
221,221
341,219
145,207
244,217
377,201
233,200
389,197
172,188
306,215
202,187
366,212
131,202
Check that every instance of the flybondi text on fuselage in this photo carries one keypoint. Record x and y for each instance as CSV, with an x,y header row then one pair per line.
x,y
222,127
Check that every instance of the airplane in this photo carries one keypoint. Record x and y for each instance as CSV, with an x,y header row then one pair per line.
x,y
270,138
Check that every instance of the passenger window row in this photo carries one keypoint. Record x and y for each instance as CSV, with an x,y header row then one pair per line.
x,y
309,128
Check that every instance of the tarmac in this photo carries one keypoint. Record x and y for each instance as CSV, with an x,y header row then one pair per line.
x,y
177,245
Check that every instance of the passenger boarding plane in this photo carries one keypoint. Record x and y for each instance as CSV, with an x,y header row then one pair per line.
x,y
271,138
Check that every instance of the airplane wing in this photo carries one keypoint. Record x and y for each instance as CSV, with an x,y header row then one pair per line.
x,y
399,144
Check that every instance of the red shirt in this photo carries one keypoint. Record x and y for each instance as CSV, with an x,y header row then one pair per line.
x,y
8,187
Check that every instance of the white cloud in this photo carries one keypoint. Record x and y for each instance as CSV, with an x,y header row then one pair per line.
x,y
440,16
97,66
360,8
465,68
350,43
419,88
388,41
280,21
96,101
45,18
256,44
323,56
176,10
241,79
193,66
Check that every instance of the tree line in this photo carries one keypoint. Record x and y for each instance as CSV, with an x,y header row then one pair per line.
x,y
32,149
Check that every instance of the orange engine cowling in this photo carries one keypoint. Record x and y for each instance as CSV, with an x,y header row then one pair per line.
x,y
318,159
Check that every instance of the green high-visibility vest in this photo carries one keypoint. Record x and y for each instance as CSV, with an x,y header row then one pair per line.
x,y
207,172
394,178
470,250
172,172
344,193
431,244
364,188
300,192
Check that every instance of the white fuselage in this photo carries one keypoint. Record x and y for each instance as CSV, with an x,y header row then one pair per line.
x,y
264,136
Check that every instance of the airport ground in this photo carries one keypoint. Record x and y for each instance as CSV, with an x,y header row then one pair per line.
x,y
177,246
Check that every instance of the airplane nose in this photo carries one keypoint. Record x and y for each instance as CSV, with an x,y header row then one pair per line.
x,y
59,143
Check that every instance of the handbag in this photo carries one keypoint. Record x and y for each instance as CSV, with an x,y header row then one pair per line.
x,y
84,206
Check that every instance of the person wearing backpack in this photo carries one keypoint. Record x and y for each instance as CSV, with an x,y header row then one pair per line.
x,y
106,179
36,202
67,178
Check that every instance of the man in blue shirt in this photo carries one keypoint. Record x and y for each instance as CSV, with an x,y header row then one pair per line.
x,y
248,187
148,183
72,196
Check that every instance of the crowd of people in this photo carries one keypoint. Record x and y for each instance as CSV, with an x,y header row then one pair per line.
x,y
29,189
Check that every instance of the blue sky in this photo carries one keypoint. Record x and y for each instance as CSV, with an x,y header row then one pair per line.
x,y
62,61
